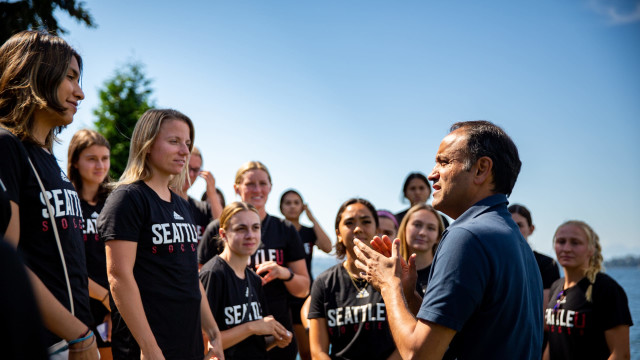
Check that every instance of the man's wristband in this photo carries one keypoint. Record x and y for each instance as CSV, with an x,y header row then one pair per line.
x,y
291,274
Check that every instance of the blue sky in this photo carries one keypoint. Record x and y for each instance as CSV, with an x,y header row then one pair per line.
x,y
343,99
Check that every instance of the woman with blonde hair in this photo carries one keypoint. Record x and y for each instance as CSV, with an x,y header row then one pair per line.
x,y
420,233
39,95
159,306
88,163
235,291
280,258
588,312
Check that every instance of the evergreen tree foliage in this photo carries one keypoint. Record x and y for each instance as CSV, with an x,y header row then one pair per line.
x,y
16,16
123,99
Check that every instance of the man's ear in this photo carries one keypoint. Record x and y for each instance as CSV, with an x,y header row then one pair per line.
x,y
236,188
483,170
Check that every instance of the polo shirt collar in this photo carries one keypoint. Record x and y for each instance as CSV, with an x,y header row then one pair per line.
x,y
481,207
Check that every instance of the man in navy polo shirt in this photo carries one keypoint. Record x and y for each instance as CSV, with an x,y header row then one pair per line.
x,y
484,298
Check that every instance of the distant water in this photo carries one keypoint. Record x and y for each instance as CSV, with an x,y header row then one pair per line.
x,y
628,278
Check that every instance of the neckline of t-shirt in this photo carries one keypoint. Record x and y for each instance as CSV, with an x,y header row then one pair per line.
x,y
168,203
246,276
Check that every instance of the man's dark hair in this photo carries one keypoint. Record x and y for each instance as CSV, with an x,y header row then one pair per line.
x,y
486,139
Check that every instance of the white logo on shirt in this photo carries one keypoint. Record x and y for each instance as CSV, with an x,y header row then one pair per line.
x,y
64,177
177,216
94,215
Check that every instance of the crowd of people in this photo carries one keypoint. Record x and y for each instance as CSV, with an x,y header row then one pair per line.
x,y
136,269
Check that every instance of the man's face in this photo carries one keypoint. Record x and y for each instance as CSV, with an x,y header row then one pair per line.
x,y
451,183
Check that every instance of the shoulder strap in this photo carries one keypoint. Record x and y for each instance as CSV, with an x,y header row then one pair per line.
x,y
55,233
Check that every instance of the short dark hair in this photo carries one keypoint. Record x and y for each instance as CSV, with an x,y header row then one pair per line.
x,y
522,211
486,139
341,250
411,176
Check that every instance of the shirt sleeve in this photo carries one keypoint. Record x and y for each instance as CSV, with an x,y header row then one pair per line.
x,y
611,305
122,216
549,273
208,281
316,305
295,249
13,166
208,246
460,272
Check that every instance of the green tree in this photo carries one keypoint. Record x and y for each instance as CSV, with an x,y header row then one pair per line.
x,y
122,100
16,16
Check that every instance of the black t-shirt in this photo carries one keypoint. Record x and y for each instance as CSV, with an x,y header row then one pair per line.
x,y
209,246
21,331
165,269
576,327
548,269
201,215
423,280
5,207
280,243
356,320
309,238
38,245
93,245
235,301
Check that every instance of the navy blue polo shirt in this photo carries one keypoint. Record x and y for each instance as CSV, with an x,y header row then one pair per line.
x,y
485,285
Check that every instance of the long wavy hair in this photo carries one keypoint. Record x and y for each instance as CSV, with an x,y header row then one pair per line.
x,y
32,67
402,230
143,137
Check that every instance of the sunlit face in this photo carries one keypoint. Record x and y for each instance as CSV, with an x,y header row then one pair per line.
x,y
523,225
422,231
292,206
169,152
356,222
451,182
242,236
69,94
387,227
572,247
93,164
254,188
417,191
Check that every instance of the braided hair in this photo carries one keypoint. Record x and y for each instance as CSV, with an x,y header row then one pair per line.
x,y
595,262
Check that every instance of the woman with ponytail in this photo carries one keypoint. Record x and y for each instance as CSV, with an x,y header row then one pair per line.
x,y
587,316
